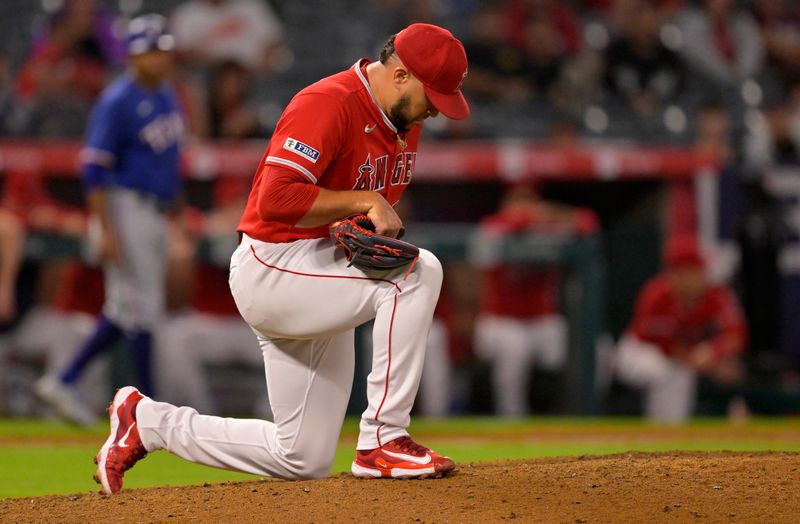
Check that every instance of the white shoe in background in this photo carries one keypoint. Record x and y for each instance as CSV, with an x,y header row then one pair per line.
x,y
64,399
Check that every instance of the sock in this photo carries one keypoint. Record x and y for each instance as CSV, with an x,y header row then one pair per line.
x,y
105,335
141,348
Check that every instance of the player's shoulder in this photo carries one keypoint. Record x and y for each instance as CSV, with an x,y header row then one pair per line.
x,y
339,87
118,92
657,287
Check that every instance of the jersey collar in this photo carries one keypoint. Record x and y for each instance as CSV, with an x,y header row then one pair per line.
x,y
357,69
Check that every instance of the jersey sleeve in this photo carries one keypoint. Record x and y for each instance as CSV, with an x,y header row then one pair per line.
x,y
646,311
309,135
285,195
98,156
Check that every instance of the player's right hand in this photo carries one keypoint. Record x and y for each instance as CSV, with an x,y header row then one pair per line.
x,y
384,217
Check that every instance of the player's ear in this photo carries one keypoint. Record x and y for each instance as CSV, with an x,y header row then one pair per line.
x,y
400,75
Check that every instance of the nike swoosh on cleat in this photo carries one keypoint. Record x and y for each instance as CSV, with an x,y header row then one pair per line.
x,y
122,443
369,129
410,458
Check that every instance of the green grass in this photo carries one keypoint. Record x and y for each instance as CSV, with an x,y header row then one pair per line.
x,y
51,458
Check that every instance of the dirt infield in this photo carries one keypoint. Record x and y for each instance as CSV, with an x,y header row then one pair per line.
x,y
634,487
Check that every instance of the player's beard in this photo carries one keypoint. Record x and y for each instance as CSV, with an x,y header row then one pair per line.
x,y
398,114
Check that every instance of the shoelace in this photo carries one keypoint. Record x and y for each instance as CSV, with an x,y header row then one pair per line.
x,y
407,444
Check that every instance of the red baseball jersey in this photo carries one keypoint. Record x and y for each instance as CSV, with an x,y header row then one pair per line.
x,y
526,291
661,319
520,291
334,134
211,293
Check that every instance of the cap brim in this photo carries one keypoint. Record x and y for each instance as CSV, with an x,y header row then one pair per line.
x,y
451,105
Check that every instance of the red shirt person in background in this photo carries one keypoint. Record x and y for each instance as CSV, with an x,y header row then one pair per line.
x,y
684,326
520,324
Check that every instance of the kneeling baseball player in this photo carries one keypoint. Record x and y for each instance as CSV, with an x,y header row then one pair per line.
x,y
319,255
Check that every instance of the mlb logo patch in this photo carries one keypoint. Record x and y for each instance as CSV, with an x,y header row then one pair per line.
x,y
304,150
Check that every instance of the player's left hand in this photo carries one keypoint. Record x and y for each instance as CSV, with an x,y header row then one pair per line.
x,y
701,357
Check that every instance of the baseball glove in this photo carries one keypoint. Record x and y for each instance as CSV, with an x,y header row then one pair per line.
x,y
366,249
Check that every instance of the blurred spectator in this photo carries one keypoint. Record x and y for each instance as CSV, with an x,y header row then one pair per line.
x,y
780,30
63,75
684,327
25,193
231,114
638,66
244,31
520,325
495,66
519,51
714,133
722,43
559,17
546,51
27,205
774,138
96,26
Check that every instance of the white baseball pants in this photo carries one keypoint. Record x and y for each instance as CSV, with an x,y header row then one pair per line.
x,y
187,343
669,388
304,303
436,382
134,288
513,347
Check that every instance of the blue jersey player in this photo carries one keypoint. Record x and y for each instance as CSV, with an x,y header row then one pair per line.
x,y
130,173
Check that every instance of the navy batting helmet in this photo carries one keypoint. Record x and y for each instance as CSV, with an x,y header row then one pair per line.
x,y
149,33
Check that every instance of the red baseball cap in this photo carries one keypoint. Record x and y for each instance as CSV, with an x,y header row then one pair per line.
x,y
683,251
439,61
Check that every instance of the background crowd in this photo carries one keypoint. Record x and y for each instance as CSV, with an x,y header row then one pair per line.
x,y
716,76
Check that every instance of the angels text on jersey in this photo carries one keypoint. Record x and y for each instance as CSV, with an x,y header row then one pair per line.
x,y
372,175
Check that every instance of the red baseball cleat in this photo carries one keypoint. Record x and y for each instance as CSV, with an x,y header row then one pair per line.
x,y
401,458
123,447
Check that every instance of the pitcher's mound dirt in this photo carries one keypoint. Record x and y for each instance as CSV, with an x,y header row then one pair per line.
x,y
634,487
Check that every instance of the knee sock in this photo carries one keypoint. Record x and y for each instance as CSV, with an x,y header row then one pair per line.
x,y
141,349
105,335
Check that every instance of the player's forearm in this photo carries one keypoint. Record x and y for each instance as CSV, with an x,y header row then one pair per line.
x,y
289,198
330,206
284,199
